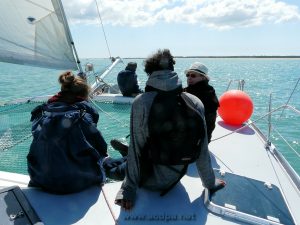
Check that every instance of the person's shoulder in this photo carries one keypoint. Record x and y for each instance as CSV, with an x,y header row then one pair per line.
x,y
195,100
86,105
122,72
144,98
144,95
192,97
56,106
210,86
126,72
83,104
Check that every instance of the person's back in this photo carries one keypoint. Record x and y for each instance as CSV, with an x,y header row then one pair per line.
x,y
67,147
176,129
127,81
139,171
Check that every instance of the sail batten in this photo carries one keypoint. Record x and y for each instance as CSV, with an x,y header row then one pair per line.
x,y
32,32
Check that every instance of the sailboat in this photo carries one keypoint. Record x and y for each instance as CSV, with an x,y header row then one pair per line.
x,y
262,187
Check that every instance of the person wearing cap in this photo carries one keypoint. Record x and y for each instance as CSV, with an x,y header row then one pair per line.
x,y
198,85
127,81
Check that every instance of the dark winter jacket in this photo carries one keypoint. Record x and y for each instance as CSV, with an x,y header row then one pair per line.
x,y
67,147
206,93
127,81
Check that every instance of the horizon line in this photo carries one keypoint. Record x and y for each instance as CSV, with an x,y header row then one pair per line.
x,y
225,56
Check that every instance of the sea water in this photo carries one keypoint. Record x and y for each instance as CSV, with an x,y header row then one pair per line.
x,y
263,77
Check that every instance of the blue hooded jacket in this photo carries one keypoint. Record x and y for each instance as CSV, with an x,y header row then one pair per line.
x,y
67,147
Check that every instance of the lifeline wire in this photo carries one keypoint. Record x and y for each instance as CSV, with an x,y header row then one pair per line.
x,y
290,97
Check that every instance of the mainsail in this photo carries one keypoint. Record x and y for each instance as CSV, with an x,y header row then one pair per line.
x,y
35,32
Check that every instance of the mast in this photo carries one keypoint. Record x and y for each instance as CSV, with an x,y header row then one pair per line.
x,y
69,35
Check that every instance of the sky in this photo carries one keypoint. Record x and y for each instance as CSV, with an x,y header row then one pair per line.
x,y
137,28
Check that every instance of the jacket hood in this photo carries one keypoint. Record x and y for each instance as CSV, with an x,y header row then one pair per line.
x,y
164,80
64,107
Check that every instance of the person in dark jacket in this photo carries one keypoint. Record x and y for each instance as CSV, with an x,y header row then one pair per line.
x,y
197,81
68,152
127,81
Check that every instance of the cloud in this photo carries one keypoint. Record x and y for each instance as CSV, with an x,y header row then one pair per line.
x,y
216,14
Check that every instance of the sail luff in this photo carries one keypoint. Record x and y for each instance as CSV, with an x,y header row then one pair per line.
x,y
69,35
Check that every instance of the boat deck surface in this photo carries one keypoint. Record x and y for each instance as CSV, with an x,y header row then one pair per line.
x,y
241,153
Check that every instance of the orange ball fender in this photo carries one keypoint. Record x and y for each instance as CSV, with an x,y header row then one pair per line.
x,y
236,107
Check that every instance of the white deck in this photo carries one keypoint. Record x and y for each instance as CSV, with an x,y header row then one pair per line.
x,y
242,153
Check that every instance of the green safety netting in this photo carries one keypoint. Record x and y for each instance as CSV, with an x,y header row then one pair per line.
x,y
15,130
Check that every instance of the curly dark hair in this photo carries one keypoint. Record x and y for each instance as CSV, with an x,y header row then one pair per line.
x,y
161,60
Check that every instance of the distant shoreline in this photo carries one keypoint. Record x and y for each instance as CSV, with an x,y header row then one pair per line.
x,y
234,57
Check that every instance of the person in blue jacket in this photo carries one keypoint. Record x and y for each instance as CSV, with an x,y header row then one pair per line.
x,y
127,81
68,153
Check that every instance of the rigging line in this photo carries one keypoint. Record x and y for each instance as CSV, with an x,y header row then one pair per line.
x,y
273,128
222,162
6,146
40,6
277,177
45,93
99,15
290,96
68,34
109,207
98,73
94,103
18,142
248,124
14,105
100,80
9,109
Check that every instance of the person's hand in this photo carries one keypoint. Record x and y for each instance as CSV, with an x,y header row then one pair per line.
x,y
219,184
125,204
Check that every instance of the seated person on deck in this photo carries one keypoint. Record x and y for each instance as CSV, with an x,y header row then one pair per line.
x,y
68,152
127,81
141,170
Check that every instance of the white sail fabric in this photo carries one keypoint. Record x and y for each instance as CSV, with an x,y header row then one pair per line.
x,y
33,32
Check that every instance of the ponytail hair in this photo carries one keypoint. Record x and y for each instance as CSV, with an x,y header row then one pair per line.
x,y
75,86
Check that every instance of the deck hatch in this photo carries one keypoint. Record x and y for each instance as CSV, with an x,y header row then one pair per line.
x,y
16,209
254,201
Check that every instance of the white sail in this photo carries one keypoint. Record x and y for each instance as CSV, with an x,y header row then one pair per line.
x,y
34,32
